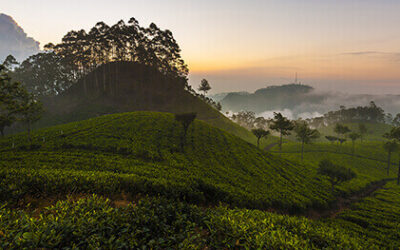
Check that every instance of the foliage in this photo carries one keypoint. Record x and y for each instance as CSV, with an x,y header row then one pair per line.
x,y
336,174
204,86
164,224
305,134
376,217
282,125
139,153
80,52
260,133
185,120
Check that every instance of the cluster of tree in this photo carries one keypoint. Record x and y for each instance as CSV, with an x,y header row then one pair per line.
x,y
371,113
344,131
17,104
53,71
392,145
249,120
281,125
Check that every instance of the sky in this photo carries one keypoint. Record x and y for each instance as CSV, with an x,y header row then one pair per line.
x,y
337,45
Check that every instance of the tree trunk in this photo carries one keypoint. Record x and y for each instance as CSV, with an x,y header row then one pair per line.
x,y
388,167
2,132
29,132
302,149
258,142
398,174
353,148
280,142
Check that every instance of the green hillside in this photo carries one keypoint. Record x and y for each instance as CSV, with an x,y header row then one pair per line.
x,y
139,153
130,156
119,87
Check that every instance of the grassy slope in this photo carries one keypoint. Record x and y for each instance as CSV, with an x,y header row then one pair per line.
x,y
377,217
375,130
139,153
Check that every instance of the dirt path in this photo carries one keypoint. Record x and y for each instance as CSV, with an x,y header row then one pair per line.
x,y
345,203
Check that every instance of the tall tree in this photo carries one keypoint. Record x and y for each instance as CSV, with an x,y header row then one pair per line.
x,y
282,125
9,90
394,134
362,130
305,134
341,130
354,136
260,133
204,86
390,146
185,119
10,63
30,110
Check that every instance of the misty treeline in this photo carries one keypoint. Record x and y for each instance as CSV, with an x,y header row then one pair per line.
x,y
80,52
370,114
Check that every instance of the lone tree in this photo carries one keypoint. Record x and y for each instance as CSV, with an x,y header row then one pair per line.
x,y
204,86
362,130
390,146
282,125
336,174
185,119
394,134
305,135
354,136
260,133
341,130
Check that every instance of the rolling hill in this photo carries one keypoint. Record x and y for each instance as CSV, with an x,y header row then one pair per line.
x,y
161,196
125,87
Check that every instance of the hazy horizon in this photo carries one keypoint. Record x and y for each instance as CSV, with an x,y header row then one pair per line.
x,y
349,46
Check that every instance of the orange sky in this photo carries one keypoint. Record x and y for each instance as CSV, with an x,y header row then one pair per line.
x,y
244,45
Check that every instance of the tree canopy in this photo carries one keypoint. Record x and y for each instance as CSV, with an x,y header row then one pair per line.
x,y
80,52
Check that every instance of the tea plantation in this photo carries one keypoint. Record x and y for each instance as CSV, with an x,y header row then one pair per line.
x,y
214,193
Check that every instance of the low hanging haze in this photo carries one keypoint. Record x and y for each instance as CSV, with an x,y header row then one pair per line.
x,y
348,46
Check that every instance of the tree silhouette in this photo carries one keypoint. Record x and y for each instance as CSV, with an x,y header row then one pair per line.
x,y
390,146
260,133
394,134
354,136
336,174
204,86
30,110
9,91
305,135
10,63
185,119
341,130
362,130
282,125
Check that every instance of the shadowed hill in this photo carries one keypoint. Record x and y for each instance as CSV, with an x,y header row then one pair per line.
x,y
126,86
139,153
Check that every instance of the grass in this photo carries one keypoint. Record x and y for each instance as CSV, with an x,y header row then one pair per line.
x,y
159,223
377,217
204,196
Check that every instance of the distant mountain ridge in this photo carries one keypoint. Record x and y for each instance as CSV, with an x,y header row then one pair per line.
x,y
14,41
270,98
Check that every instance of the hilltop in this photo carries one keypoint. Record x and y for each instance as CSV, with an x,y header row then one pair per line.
x,y
127,86
270,98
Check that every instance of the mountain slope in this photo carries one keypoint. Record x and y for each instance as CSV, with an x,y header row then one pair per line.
x,y
124,87
14,41
139,153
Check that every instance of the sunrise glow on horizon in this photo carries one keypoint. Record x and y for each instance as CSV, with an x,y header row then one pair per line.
x,y
245,45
